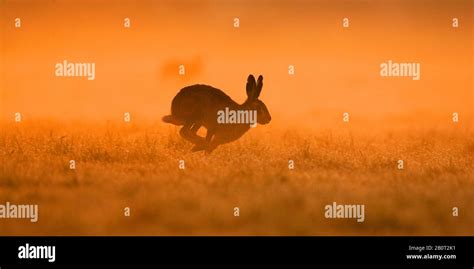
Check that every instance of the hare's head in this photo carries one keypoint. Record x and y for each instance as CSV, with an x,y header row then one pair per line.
x,y
253,92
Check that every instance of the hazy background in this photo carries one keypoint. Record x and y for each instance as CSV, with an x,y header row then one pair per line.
x,y
337,69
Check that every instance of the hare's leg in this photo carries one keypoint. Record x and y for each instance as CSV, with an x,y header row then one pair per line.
x,y
195,128
184,132
209,135
213,141
204,146
188,132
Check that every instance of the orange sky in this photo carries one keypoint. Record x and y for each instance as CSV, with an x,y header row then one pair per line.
x,y
337,69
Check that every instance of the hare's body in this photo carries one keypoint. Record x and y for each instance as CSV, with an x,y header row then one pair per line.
x,y
198,105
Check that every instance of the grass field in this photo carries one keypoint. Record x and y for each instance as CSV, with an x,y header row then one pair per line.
x,y
122,165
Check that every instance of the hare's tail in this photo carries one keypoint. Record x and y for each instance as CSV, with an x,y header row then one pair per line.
x,y
172,119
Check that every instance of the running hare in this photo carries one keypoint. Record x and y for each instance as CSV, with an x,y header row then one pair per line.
x,y
202,105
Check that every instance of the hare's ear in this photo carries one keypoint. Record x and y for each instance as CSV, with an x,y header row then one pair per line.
x,y
251,87
259,86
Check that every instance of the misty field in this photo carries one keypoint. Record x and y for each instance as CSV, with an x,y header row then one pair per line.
x,y
122,165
